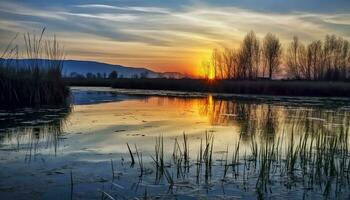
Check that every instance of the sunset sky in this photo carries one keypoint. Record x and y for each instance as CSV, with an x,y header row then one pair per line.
x,y
168,35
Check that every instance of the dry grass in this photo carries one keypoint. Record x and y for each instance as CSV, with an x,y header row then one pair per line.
x,y
35,80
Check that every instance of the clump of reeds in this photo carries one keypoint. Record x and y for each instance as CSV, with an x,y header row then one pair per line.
x,y
36,79
159,152
159,158
312,159
208,155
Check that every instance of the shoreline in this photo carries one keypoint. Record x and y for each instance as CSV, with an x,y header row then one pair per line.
x,y
283,88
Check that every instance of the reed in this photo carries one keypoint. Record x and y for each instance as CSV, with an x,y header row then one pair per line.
x,y
131,155
140,161
35,80
235,158
226,166
186,153
312,159
112,168
71,184
159,152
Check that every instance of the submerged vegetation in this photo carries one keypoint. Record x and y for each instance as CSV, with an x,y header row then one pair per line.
x,y
36,80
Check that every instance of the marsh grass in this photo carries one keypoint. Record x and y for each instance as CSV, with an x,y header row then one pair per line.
x,y
112,168
71,184
140,161
131,155
315,160
159,152
35,80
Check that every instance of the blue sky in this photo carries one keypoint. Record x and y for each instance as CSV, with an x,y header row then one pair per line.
x,y
168,35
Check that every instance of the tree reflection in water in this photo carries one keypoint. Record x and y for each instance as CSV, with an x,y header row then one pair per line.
x,y
267,119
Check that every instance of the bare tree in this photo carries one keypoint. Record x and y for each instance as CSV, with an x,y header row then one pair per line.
x,y
345,59
272,53
250,56
336,58
229,63
327,60
293,58
314,52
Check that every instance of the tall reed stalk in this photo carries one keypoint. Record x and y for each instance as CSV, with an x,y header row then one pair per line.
x,y
32,77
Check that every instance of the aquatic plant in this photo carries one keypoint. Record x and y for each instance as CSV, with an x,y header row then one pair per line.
x,y
316,159
131,155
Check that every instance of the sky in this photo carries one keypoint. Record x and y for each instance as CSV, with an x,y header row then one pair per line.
x,y
168,35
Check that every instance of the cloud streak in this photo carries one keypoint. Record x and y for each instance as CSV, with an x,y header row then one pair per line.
x,y
127,8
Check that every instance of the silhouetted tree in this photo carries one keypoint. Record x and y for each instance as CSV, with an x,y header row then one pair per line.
x,y
328,60
272,52
113,75
230,63
144,75
314,64
90,75
250,56
293,58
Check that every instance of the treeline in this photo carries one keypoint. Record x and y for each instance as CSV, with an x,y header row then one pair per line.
x,y
265,59
112,75
319,60
99,79
274,87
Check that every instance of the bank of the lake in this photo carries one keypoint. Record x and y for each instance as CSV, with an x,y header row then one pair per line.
x,y
256,87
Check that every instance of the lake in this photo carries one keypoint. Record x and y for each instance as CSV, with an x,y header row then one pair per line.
x,y
125,144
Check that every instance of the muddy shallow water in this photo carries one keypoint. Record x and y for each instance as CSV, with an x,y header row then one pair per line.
x,y
259,147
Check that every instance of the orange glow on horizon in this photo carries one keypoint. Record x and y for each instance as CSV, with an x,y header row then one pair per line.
x,y
211,74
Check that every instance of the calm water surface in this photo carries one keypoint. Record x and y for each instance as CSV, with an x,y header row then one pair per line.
x,y
238,147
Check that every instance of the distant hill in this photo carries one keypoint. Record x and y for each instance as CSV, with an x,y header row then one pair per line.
x,y
83,67
77,67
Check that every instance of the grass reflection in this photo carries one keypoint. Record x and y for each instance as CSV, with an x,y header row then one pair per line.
x,y
32,131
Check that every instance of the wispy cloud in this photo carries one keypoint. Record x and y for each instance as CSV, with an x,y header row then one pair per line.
x,y
127,8
339,19
104,16
17,9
